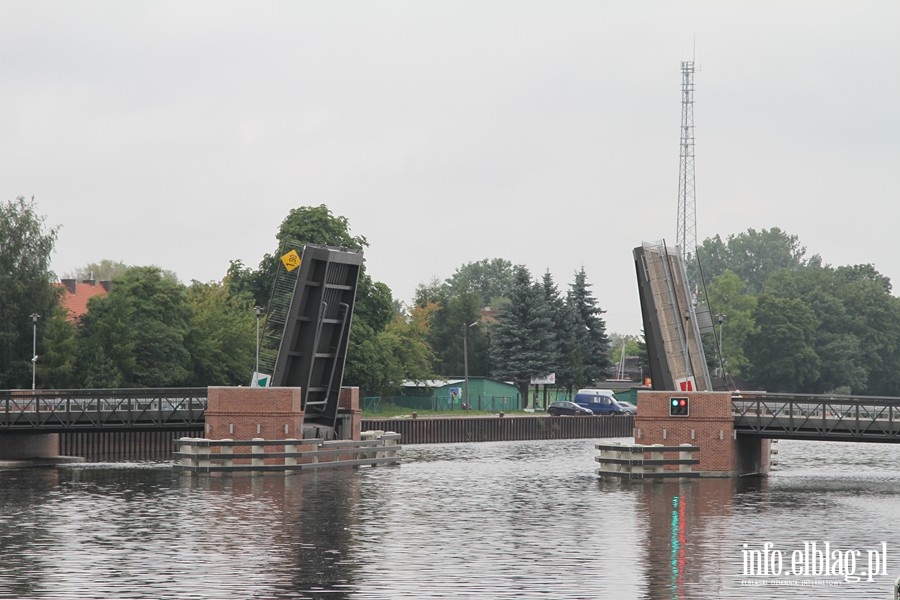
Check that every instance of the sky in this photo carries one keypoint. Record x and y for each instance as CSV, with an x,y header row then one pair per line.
x,y
181,133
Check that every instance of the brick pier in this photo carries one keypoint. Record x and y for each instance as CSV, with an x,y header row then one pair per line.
x,y
709,425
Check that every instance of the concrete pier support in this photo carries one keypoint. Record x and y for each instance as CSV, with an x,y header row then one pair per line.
x,y
32,449
709,424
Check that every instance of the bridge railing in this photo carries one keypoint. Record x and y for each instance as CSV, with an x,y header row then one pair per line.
x,y
129,407
869,418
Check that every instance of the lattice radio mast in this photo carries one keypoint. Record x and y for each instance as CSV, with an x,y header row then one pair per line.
x,y
686,236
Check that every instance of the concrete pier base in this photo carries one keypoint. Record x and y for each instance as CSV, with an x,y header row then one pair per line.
x,y
31,450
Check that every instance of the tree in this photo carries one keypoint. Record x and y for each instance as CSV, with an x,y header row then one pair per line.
x,y
781,350
56,364
105,270
562,325
523,338
837,347
753,256
221,336
25,289
409,357
432,292
445,335
873,317
140,327
492,279
728,297
589,355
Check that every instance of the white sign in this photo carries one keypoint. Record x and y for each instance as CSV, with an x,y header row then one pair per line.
x,y
688,384
546,380
260,380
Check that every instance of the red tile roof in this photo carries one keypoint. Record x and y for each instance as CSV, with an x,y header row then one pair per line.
x,y
76,295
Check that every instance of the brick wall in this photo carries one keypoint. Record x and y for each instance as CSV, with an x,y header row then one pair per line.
x,y
710,425
244,413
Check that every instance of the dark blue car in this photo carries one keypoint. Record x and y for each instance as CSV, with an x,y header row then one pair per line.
x,y
564,407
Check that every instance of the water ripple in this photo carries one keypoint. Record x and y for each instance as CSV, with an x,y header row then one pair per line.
x,y
490,520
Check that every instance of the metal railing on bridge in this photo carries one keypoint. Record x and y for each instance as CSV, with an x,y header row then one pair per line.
x,y
804,416
132,409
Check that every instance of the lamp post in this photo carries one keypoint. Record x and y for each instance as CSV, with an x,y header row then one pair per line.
x,y
34,320
259,311
466,360
721,318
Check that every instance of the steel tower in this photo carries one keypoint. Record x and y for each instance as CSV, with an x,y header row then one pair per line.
x,y
686,237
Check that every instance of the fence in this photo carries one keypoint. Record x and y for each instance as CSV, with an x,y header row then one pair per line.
x,y
198,455
441,403
442,430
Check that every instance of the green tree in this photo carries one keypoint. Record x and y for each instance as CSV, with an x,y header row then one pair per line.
x,y
25,289
562,327
432,292
523,340
837,347
873,317
729,298
590,351
781,350
140,327
408,354
105,270
492,279
57,363
753,256
221,337
446,335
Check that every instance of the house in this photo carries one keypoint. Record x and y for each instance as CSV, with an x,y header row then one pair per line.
x,y
449,394
76,295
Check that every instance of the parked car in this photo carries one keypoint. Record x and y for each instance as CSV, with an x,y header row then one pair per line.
x,y
630,408
603,402
564,407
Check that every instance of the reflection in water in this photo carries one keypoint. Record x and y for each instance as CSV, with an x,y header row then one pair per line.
x,y
490,520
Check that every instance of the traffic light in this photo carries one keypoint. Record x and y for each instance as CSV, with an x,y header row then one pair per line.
x,y
679,407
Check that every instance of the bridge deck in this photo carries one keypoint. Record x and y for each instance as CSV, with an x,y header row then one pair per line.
x,y
837,418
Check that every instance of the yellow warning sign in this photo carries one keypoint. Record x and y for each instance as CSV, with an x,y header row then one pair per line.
x,y
291,260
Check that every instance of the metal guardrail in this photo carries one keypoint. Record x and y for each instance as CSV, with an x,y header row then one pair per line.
x,y
805,416
129,409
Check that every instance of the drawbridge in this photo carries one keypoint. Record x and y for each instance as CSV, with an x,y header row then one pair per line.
x,y
308,327
673,324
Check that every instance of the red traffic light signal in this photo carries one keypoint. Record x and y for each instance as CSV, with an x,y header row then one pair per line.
x,y
679,407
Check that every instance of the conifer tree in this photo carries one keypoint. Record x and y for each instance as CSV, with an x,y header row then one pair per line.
x,y
524,343
589,356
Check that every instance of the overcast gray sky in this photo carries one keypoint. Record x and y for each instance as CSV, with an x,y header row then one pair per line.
x,y
180,134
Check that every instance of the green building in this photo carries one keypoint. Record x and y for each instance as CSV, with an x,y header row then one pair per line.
x,y
449,394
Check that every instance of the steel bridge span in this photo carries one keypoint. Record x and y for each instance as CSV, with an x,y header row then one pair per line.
x,y
811,417
756,414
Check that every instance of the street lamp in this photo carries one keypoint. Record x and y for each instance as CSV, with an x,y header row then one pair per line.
x,y
466,359
721,318
259,311
34,320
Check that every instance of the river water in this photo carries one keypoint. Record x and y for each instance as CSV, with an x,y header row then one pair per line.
x,y
488,520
